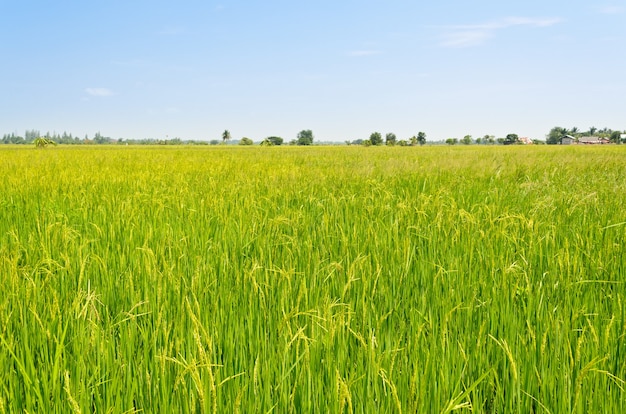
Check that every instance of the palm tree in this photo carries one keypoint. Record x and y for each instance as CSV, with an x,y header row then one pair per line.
x,y
592,130
574,131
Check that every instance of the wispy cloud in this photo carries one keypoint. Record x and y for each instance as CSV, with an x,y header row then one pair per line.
x,y
507,22
612,9
476,34
99,92
357,53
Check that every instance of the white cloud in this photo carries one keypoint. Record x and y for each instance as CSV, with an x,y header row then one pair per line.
x,y
476,34
357,53
99,92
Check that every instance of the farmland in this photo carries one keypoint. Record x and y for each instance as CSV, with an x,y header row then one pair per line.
x,y
321,279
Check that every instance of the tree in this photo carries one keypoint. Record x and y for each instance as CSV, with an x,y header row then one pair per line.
x,y
267,143
305,137
467,139
276,140
225,136
615,137
390,139
413,141
555,135
30,135
12,139
421,138
376,138
452,141
511,139
245,141
592,130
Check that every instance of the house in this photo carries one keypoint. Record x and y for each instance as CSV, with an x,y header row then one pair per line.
x,y
592,140
567,140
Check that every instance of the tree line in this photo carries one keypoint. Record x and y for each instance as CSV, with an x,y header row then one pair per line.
x,y
376,138
510,139
306,137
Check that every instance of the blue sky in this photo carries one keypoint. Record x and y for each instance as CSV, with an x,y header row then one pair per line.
x,y
342,68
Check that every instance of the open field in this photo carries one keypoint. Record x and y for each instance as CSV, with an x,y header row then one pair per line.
x,y
321,279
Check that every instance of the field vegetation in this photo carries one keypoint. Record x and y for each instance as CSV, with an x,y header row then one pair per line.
x,y
320,279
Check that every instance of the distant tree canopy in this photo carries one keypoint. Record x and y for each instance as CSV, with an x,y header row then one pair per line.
x,y
226,136
305,137
421,138
615,137
467,139
511,139
266,143
376,138
245,141
275,140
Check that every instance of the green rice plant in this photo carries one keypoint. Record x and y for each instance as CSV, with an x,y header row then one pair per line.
x,y
321,279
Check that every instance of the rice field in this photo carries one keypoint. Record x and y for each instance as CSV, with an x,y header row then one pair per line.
x,y
313,280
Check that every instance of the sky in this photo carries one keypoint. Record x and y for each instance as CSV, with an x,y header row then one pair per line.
x,y
191,69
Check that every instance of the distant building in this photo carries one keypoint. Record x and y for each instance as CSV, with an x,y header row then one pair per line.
x,y
568,140
592,140
525,140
